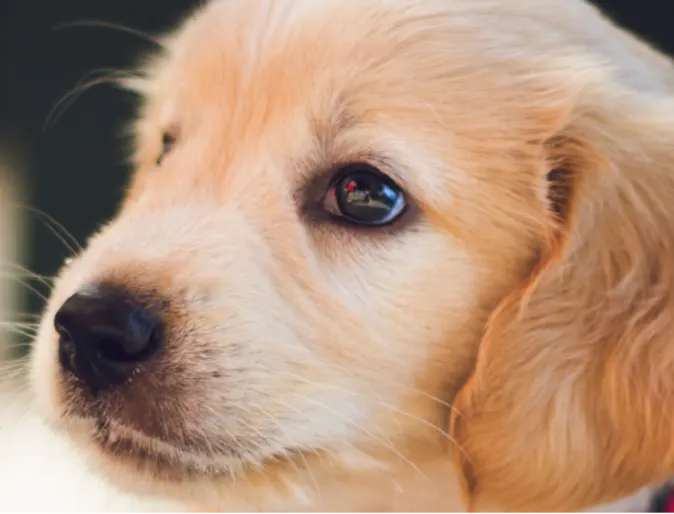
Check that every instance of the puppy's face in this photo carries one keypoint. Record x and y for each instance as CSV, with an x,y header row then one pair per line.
x,y
329,200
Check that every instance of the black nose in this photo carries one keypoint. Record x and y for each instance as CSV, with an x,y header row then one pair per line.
x,y
104,336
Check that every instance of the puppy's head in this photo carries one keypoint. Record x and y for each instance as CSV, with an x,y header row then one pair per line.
x,y
330,201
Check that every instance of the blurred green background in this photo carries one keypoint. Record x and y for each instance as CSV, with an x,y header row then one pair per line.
x,y
74,170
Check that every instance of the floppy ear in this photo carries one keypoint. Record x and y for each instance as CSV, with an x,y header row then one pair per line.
x,y
571,402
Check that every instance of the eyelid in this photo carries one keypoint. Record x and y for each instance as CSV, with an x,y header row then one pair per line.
x,y
324,176
379,164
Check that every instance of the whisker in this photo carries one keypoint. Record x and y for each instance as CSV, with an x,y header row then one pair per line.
x,y
32,289
231,436
317,452
22,279
19,331
19,324
19,345
74,246
371,375
379,401
110,25
292,461
29,315
370,434
87,82
11,370
382,404
13,373
383,442
26,343
14,363
360,374
26,273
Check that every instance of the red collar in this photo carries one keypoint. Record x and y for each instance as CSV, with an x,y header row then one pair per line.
x,y
663,503
669,504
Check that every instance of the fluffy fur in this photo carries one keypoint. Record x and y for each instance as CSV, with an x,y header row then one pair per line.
x,y
309,365
42,471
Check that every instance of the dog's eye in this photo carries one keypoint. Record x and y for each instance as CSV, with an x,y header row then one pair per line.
x,y
168,141
363,195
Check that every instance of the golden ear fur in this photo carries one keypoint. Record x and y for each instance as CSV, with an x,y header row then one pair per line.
x,y
571,402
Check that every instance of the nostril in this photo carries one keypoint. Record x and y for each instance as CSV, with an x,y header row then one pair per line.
x,y
114,351
119,351
104,337
67,351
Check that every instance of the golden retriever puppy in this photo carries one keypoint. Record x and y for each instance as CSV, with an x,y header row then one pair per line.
x,y
382,255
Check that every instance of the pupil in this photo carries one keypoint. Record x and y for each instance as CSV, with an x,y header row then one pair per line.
x,y
366,197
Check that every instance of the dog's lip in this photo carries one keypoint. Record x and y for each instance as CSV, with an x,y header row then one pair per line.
x,y
165,460
161,459
114,437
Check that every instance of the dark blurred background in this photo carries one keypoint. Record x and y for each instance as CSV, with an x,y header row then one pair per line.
x,y
74,169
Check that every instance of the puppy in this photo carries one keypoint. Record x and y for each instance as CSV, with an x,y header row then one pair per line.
x,y
381,255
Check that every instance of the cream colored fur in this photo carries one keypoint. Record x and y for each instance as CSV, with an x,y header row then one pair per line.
x,y
507,348
42,471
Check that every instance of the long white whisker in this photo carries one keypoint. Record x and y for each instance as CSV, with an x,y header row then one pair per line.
x,y
371,375
382,404
370,434
19,331
113,77
54,226
110,25
23,272
292,461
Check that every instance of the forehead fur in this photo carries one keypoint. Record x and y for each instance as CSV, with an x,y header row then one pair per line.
x,y
345,57
298,84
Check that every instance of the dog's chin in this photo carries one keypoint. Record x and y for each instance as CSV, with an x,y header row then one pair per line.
x,y
147,465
